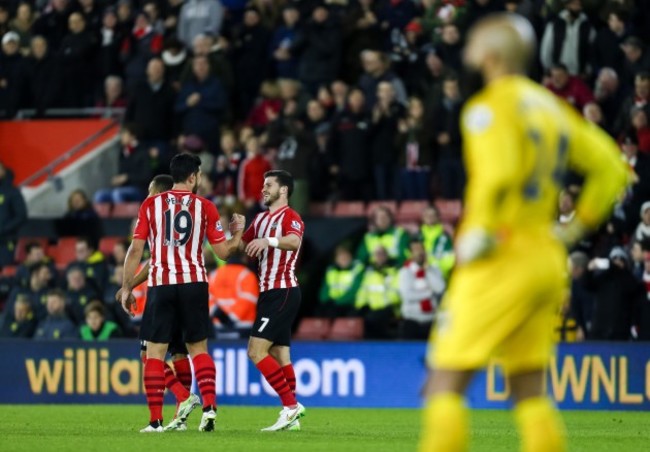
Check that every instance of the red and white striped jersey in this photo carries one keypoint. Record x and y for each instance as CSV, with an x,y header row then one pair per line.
x,y
175,223
276,267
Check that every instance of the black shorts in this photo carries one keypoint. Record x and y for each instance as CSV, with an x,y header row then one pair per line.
x,y
276,311
176,311
176,346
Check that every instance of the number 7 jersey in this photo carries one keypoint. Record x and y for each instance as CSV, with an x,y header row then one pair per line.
x,y
519,139
175,224
276,267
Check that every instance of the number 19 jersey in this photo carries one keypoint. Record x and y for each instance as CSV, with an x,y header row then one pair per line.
x,y
175,224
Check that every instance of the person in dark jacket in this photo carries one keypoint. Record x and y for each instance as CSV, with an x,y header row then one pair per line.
x,y
78,294
134,171
616,294
201,103
56,325
53,25
137,49
581,303
152,106
349,146
11,74
13,214
607,50
77,55
38,286
319,47
286,64
42,82
22,325
376,70
361,31
110,39
97,328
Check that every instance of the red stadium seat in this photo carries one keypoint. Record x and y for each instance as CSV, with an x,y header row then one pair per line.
x,y
313,329
103,209
21,252
126,210
63,252
391,205
320,209
347,329
450,210
410,211
349,209
9,270
106,244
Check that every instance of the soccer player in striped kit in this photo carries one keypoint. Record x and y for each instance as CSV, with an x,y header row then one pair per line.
x,y
175,224
274,238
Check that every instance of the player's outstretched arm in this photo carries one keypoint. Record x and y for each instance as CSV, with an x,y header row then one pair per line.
x,y
289,242
141,277
227,248
133,257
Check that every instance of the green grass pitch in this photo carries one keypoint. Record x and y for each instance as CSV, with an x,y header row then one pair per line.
x,y
90,428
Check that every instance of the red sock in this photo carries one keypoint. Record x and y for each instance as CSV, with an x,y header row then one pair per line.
x,y
290,376
154,384
206,374
274,375
184,372
175,386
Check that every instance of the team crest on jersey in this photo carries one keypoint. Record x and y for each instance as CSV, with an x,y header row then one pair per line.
x,y
478,118
296,225
274,225
219,227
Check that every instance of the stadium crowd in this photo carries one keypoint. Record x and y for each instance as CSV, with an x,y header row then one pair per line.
x,y
359,100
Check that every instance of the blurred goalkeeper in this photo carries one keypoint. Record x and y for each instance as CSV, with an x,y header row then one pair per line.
x,y
511,267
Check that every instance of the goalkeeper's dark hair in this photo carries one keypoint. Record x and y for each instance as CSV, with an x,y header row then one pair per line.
x,y
162,182
183,166
284,178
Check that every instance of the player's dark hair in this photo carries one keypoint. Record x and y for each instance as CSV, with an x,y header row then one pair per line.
x,y
183,166
163,182
285,179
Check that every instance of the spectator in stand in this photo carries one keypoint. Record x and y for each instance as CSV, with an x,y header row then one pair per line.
x,y
450,47
609,95
40,278
80,218
118,254
91,14
139,46
407,52
171,12
383,233
617,294
607,50
386,115
569,87
567,40
266,108
377,299
638,193
78,294
349,148
643,307
22,25
92,262
415,148
318,46
234,290
316,115
56,325
376,70
361,31
226,171
477,9
429,87
451,172
639,120
394,16
34,254
201,103
153,12
251,175
199,16
251,49
437,13
175,57
642,232
420,287
340,91
637,59
53,24
637,255
291,91
113,96
151,107
134,170
639,99
125,17
193,144
22,324
437,242
110,41
581,303
42,78
77,55
284,37
204,45
340,285
11,74
296,148
594,114
96,327
13,214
